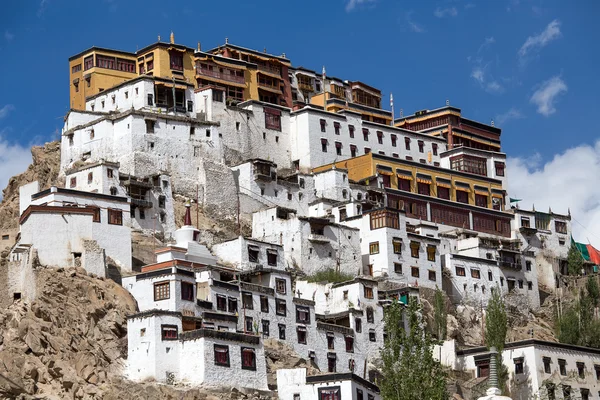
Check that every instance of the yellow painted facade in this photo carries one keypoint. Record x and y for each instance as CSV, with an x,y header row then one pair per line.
x,y
365,167
95,79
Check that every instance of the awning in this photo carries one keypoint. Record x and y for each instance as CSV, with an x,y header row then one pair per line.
x,y
481,192
462,189
177,49
252,247
269,89
384,172
271,251
499,196
407,177
423,180
169,84
443,184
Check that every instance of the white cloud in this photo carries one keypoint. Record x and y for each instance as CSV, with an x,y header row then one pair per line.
x,y
42,7
445,12
351,5
567,181
511,114
494,87
486,43
540,40
14,159
8,36
478,74
7,109
545,96
412,25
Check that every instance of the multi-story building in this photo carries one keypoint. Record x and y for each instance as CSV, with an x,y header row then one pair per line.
x,y
536,368
448,123
98,69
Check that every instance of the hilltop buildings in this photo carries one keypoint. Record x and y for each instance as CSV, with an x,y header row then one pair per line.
x,y
327,179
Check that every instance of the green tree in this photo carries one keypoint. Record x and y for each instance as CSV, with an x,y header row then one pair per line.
x,y
409,370
496,326
440,315
574,260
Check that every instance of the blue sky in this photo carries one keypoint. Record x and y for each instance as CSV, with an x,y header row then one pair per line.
x,y
531,65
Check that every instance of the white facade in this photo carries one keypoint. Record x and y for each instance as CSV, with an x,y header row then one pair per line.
x,y
491,157
311,244
159,349
64,225
293,384
320,137
537,369
247,254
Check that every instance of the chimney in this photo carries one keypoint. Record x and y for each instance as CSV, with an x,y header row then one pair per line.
x,y
199,47
172,38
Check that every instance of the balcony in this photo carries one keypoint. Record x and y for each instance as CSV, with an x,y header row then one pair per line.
x,y
305,87
510,263
270,69
257,288
270,87
527,230
318,238
204,304
134,182
219,75
142,203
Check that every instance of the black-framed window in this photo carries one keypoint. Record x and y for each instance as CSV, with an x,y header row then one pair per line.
x,y
358,325
221,355
247,301
264,304
249,323
169,332
370,316
359,394
272,257
519,365
232,304
330,393
187,291
303,314
349,344
331,362
372,336
281,328
562,366
547,367
330,340
280,307
280,285
248,358
266,330
301,333
221,302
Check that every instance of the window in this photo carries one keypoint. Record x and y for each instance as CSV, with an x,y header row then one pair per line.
x,y
221,355
271,257
372,337
187,291
379,137
265,327
96,215
349,344
176,60
481,200
475,273
374,248
414,272
331,362
253,254
336,126
398,268
324,145
365,134
518,365
272,119
397,245
281,328
431,252
338,148
280,286
597,369
149,126
525,222
547,368
407,143
581,370
221,303
370,315
351,130
73,182
434,148
109,173
330,393
414,249
520,284
443,193
367,150
585,394
460,271
264,304
113,191
421,146
528,265
249,324
323,124
562,366
353,150
424,188
330,340
232,304
499,168
162,291
168,332
432,275
302,314
490,276
301,333
560,227
566,392
115,217
359,394
280,307
150,103
247,301
368,292
358,325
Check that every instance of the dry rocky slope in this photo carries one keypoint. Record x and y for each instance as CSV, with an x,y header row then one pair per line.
x,y
71,342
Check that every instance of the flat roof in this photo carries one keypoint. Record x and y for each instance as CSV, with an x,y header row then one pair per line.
x,y
530,342
346,376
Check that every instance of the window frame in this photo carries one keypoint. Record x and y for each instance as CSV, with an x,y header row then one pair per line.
x,y
217,347
189,287
252,351
166,284
168,328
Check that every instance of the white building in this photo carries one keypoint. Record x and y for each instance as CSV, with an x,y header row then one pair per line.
x,y
70,227
480,162
151,198
293,384
477,264
310,244
546,239
159,348
536,368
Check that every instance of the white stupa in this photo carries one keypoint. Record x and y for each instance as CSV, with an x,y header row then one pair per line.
x,y
493,393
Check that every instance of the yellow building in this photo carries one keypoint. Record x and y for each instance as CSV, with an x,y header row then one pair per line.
x,y
432,193
353,96
97,69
